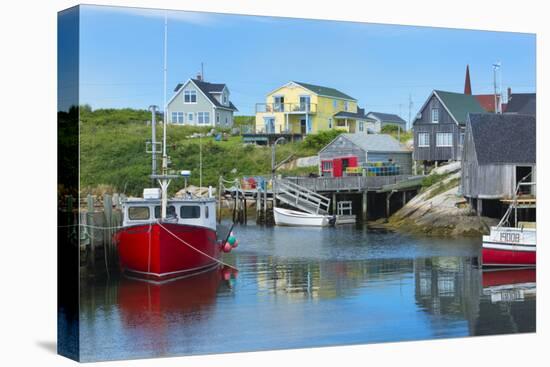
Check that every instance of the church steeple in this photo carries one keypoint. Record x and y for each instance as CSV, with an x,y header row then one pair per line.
x,y
467,85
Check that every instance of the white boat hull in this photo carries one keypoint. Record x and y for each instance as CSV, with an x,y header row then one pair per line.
x,y
286,217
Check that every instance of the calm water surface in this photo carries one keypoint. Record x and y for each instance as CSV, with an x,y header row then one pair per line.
x,y
305,287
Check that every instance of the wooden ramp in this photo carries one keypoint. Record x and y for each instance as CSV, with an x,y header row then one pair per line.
x,y
301,198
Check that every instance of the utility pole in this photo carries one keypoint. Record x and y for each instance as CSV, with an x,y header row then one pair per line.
x,y
410,110
496,67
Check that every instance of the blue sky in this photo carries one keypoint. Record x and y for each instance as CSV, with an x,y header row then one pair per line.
x,y
121,58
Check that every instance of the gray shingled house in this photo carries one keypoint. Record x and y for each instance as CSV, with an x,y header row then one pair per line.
x,y
439,126
522,103
499,151
366,148
201,103
383,119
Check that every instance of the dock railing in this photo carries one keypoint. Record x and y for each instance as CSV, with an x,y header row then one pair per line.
x,y
346,183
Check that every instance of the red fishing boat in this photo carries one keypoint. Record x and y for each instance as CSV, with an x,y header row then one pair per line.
x,y
512,243
182,242
165,238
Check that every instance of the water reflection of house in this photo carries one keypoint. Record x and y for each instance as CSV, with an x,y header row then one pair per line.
x,y
448,287
327,279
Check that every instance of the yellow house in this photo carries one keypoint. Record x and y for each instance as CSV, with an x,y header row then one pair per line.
x,y
302,108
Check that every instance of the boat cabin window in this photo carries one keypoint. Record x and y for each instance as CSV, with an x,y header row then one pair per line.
x,y
170,211
190,211
138,212
206,212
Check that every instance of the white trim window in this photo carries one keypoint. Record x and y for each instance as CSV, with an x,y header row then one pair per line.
x,y
346,105
334,104
444,140
190,96
435,115
217,117
361,126
461,139
224,99
177,117
423,140
190,117
203,118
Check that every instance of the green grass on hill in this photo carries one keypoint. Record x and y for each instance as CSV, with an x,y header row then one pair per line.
x,y
112,152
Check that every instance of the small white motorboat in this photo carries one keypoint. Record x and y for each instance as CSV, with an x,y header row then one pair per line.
x,y
287,217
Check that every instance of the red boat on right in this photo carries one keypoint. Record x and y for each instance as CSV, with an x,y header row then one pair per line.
x,y
512,243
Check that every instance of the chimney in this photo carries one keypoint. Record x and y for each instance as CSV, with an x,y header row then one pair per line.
x,y
199,77
467,84
509,94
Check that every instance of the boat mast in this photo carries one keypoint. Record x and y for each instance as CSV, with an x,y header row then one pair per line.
x,y
164,181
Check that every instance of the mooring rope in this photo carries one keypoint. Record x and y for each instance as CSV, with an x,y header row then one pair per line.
x,y
196,249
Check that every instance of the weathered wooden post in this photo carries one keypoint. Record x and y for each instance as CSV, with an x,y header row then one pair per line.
x,y
108,217
245,211
258,206
364,202
90,228
333,203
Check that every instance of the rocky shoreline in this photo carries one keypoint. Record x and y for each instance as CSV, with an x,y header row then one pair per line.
x,y
440,210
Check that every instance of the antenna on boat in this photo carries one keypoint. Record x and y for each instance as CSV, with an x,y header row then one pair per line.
x,y
164,157
164,178
200,165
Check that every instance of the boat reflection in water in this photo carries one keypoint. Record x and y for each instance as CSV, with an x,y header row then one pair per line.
x,y
510,284
309,287
153,309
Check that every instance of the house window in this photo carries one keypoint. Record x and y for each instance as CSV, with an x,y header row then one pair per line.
x,y
224,99
435,115
361,126
203,117
423,139
346,105
304,103
269,123
190,212
177,117
190,117
334,104
217,118
444,140
330,123
327,165
461,141
278,103
190,96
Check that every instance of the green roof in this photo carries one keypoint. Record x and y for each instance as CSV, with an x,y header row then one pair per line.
x,y
460,105
325,91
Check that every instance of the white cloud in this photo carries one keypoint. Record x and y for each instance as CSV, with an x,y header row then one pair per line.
x,y
191,17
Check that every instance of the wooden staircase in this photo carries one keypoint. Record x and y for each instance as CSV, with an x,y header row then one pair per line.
x,y
300,197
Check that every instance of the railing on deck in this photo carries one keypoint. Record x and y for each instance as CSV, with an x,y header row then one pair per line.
x,y
287,107
347,183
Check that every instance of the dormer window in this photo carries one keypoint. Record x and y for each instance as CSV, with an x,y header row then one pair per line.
x,y
224,98
435,115
190,96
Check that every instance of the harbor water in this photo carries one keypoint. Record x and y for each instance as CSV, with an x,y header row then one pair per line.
x,y
308,287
